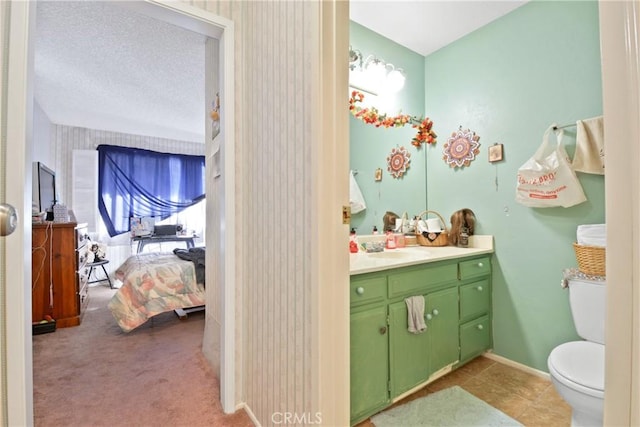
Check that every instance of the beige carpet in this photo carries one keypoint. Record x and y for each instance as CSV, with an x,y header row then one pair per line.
x,y
96,375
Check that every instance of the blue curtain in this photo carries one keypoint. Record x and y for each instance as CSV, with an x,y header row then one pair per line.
x,y
141,183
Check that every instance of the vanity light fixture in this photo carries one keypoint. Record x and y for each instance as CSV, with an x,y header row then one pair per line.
x,y
373,75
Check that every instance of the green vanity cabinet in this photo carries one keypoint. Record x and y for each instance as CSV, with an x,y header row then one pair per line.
x,y
475,337
475,307
369,345
407,352
387,360
442,306
414,357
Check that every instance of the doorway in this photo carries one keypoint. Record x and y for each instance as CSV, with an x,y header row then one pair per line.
x,y
18,331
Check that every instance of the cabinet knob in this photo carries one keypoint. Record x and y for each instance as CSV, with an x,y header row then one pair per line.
x,y
479,288
359,290
383,330
480,327
435,312
480,265
428,316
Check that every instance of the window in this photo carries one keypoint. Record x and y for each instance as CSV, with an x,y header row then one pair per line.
x,y
133,182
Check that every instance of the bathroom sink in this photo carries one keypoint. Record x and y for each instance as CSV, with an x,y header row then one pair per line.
x,y
403,253
388,254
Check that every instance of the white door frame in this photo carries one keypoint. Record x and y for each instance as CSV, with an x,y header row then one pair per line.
x,y
17,393
620,46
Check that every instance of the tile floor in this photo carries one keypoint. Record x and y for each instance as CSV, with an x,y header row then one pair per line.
x,y
527,398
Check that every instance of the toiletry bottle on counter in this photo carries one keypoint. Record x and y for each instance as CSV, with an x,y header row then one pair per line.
x,y
353,241
391,241
463,242
375,230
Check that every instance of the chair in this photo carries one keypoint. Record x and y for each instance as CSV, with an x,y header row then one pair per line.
x,y
100,263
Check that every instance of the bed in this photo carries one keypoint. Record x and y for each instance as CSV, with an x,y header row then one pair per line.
x,y
154,283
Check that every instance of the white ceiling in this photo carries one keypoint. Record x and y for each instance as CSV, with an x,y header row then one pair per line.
x,y
100,66
425,26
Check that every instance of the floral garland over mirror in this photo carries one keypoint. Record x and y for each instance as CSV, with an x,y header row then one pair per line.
x,y
371,116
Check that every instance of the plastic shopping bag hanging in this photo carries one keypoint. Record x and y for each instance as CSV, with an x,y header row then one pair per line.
x,y
547,179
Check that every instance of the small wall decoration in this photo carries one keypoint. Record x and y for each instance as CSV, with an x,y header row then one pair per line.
x,y
398,162
215,117
378,175
495,153
461,149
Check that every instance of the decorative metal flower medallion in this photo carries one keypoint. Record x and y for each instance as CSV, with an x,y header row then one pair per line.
x,y
461,149
398,162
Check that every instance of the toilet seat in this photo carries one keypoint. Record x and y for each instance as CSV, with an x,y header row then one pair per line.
x,y
580,366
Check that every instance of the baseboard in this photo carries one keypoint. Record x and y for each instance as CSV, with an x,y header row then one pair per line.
x,y
249,412
520,366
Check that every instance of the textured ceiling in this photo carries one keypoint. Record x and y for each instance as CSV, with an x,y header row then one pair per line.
x,y
100,66
425,26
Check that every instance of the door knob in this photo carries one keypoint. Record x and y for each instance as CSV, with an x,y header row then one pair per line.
x,y
383,330
435,312
8,219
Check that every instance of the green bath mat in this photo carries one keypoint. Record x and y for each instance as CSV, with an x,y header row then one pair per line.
x,y
449,407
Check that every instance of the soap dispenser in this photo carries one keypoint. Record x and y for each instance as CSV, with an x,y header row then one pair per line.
x,y
353,241
391,240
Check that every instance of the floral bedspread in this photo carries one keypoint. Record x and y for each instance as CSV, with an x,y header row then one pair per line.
x,y
154,283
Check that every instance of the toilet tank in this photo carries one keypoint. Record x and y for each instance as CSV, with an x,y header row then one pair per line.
x,y
588,301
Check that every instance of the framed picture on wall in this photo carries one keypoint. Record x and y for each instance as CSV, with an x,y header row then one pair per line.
x,y
495,153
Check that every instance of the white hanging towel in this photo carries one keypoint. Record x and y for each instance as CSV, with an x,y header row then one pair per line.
x,y
355,195
589,157
415,314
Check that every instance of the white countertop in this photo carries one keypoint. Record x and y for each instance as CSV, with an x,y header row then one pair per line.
x,y
363,262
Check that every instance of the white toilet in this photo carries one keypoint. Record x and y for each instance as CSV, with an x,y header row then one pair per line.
x,y
577,367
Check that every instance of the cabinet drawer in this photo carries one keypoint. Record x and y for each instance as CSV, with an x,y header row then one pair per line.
x,y
81,237
475,337
369,290
81,257
475,268
416,282
83,293
474,299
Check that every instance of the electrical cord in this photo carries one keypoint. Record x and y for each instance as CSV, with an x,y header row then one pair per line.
x,y
41,248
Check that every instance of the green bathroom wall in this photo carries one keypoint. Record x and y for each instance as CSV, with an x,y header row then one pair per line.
x,y
370,146
508,81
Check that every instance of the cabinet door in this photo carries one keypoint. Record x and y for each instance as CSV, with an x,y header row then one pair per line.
x,y
369,362
408,352
442,324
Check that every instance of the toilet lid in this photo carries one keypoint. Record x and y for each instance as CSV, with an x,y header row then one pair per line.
x,y
580,362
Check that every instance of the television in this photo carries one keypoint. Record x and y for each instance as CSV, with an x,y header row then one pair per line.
x,y
44,188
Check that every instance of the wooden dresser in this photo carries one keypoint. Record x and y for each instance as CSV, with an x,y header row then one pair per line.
x,y
59,273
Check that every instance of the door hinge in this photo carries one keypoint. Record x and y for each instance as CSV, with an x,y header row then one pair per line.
x,y
346,214
388,321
